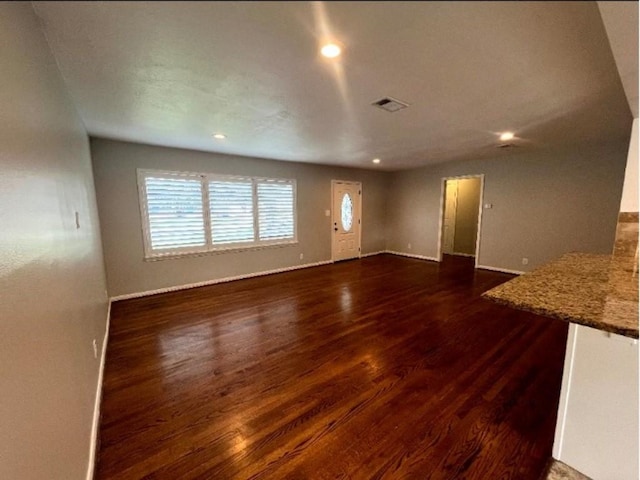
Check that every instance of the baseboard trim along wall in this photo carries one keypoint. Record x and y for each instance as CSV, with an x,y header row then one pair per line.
x,y
502,270
464,254
93,446
380,252
216,281
187,286
412,255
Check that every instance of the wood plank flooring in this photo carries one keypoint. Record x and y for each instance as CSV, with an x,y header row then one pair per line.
x,y
385,367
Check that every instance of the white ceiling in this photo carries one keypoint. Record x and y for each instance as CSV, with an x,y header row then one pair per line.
x,y
172,73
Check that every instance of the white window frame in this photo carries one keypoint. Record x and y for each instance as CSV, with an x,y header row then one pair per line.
x,y
209,247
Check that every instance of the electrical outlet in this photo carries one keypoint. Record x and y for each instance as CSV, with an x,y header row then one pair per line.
x,y
409,246
95,348
301,256
525,261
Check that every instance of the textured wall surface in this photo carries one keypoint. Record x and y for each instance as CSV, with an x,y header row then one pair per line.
x,y
115,165
52,283
545,203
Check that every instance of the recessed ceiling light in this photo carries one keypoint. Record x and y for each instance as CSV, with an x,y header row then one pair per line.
x,y
219,136
376,160
331,50
506,136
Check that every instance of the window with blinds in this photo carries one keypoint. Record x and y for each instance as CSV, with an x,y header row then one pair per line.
x,y
231,210
174,212
275,209
185,213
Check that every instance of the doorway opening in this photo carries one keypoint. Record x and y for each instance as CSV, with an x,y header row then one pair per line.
x,y
461,216
346,224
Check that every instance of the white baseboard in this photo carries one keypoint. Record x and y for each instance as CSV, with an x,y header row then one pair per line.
x,y
128,296
503,270
380,252
216,281
463,254
96,408
412,255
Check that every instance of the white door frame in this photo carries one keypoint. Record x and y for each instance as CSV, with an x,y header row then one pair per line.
x,y
441,216
334,213
447,213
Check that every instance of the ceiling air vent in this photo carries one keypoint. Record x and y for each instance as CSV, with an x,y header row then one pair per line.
x,y
390,104
505,146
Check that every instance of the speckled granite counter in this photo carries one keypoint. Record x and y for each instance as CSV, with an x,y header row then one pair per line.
x,y
561,471
599,291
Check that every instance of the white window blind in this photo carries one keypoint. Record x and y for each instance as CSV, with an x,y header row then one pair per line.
x,y
275,207
175,213
231,209
185,213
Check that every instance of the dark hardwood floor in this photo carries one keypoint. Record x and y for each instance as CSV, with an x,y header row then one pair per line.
x,y
384,367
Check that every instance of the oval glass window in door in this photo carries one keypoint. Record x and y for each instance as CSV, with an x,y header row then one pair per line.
x,y
347,212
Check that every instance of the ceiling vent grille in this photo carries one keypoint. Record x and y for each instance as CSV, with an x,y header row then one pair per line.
x,y
390,104
505,146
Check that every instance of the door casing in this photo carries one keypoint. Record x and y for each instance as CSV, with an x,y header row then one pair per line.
x,y
443,185
449,215
335,217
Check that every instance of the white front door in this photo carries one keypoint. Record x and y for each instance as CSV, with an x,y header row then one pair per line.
x,y
449,221
346,224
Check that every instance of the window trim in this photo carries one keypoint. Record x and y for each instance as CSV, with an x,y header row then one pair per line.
x,y
209,247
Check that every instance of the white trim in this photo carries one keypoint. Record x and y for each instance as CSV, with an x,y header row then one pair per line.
x,y
141,175
443,193
93,446
480,210
334,214
435,259
216,281
499,269
443,183
379,252
217,251
209,247
412,255
292,181
565,390
460,254
187,286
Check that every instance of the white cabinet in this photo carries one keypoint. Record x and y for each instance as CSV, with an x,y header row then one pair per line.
x,y
597,426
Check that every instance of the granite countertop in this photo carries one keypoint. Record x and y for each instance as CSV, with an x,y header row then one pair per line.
x,y
561,471
599,291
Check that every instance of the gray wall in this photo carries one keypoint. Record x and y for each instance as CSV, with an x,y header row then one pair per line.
x,y
52,285
545,203
466,232
115,165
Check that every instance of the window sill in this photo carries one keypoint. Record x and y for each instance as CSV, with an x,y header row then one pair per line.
x,y
205,253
